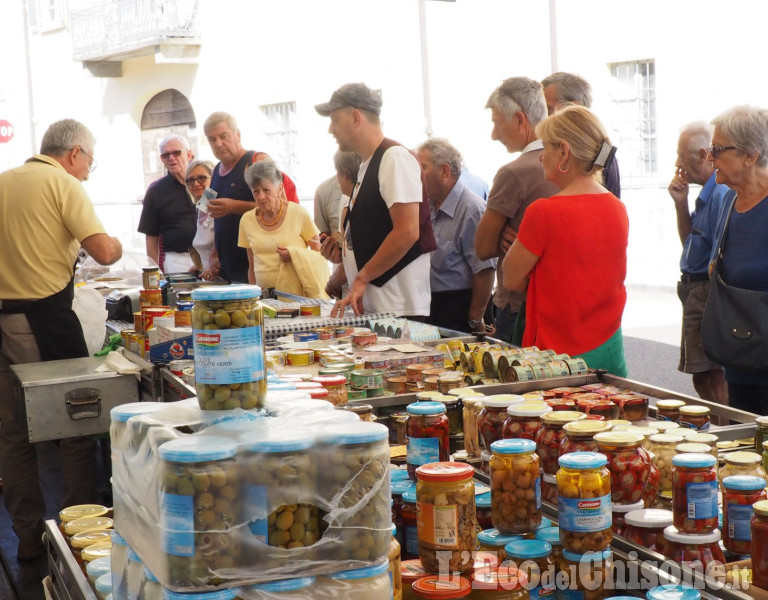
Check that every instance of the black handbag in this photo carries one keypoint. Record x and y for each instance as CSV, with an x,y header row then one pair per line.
x,y
734,328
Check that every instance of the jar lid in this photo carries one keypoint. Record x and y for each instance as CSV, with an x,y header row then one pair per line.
x,y
451,401
673,535
496,539
761,508
529,409
665,438
279,386
483,500
545,522
673,591
619,424
411,570
396,474
444,471
362,573
694,410
701,438
429,395
401,486
409,495
591,557
500,579
284,585
582,460
533,397
664,426
97,550
649,517
425,408
762,421
644,431
744,482
550,534
117,539
586,427
502,400
464,391
197,448
625,508
355,433
90,537
123,412
229,594
82,510
277,441
226,292
318,393
742,458
620,439
669,404
100,566
103,584
528,549
563,417
440,588
694,460
688,448
87,524
513,446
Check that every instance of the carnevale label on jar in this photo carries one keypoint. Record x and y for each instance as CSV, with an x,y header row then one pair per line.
x,y
584,515
227,356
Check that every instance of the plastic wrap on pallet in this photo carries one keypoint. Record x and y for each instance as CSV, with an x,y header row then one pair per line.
x,y
219,500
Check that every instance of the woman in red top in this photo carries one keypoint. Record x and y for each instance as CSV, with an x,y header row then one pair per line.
x,y
573,247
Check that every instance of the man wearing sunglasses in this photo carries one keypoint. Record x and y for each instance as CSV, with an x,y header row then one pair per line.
x,y
168,217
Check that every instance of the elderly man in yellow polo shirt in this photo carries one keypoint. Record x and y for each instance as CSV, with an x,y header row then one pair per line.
x,y
45,216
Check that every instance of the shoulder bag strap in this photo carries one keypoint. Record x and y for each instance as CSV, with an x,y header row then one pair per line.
x,y
721,239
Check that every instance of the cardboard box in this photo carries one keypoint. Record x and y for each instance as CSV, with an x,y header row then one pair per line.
x,y
177,349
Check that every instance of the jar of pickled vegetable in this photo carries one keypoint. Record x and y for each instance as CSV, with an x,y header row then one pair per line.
x,y
410,571
502,583
579,435
629,463
551,535
534,558
409,548
97,568
602,407
694,493
515,486
694,417
79,511
646,432
741,492
367,582
483,511
446,520
85,524
279,476
151,588
668,410
584,502
761,433
353,477
693,550
398,488
80,541
632,407
765,455
199,508
228,341
395,577
549,489
336,386
491,420
619,424
453,410
524,420
437,587
619,511
470,413
283,589
694,437
672,591
742,463
662,449
428,436
560,403
118,564
759,531
689,448
492,540
551,435
646,528
591,572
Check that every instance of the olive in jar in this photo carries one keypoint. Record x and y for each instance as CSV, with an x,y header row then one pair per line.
x,y
515,486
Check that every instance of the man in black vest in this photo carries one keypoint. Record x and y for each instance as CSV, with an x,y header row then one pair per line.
x,y
387,230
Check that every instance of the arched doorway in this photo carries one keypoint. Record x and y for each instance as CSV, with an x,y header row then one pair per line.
x,y
167,112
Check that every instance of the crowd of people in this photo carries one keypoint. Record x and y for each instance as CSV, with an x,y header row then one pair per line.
x,y
539,259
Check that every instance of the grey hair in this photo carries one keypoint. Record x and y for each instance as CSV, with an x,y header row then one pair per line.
x,y
220,117
443,153
347,164
570,88
699,136
519,94
206,164
747,128
259,171
175,137
64,135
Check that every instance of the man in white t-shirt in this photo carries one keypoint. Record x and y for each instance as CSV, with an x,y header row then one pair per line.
x,y
387,230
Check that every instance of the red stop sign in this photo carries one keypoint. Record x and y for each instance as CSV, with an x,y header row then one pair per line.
x,y
6,131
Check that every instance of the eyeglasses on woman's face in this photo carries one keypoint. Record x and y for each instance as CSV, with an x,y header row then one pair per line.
x,y
201,179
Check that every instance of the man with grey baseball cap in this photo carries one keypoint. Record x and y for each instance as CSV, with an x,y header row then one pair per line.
x,y
387,228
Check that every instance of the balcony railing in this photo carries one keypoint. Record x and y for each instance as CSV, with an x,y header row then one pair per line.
x,y
120,28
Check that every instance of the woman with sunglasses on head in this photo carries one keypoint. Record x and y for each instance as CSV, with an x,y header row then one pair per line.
x,y
739,154
198,178
572,247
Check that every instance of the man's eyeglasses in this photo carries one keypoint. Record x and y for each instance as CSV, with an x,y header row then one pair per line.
x,y
93,164
201,179
715,150
167,155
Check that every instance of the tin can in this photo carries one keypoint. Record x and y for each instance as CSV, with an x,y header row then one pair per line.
x,y
305,336
150,278
577,366
299,358
124,337
138,323
150,298
309,310
559,368
449,381
150,313
276,357
340,332
367,379
177,366
414,372
455,347
183,314
397,384
324,333
356,395
519,374
365,339
380,364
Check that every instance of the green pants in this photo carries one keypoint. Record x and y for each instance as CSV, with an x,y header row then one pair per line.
x,y
609,356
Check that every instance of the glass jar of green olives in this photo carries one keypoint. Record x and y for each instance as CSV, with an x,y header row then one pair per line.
x,y
228,338
199,508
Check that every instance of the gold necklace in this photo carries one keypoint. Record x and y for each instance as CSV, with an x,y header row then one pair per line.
x,y
279,215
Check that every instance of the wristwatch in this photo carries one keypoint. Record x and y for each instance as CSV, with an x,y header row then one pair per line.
x,y
475,325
